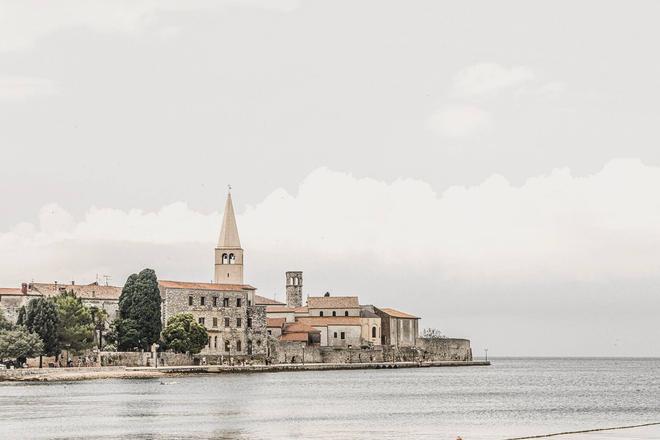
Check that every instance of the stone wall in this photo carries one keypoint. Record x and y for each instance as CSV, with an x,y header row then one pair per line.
x,y
445,349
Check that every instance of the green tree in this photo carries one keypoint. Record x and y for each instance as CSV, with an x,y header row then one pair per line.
x,y
100,321
125,334
21,316
139,322
19,344
41,318
4,322
75,328
183,335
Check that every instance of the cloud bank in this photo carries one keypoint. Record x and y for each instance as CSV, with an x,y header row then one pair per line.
x,y
602,226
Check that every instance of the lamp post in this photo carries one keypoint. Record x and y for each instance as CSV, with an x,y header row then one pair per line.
x,y
486,351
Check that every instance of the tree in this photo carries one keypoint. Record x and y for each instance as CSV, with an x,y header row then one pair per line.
x,y
4,323
183,335
125,334
100,320
75,328
41,318
139,306
19,344
432,333
21,316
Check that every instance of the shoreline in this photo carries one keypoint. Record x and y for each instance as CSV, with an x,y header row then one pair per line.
x,y
93,373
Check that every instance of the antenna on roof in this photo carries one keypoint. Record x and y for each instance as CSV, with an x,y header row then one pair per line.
x,y
106,278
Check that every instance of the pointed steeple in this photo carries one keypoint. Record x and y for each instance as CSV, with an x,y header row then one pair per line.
x,y
229,230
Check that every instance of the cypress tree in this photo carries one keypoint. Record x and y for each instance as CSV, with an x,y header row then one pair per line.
x,y
139,311
41,317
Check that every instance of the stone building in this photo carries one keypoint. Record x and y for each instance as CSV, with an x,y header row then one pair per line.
x,y
233,314
92,295
399,329
294,285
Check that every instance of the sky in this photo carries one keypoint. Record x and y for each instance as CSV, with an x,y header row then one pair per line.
x,y
492,167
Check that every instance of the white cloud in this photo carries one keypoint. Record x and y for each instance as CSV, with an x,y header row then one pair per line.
x,y
489,78
15,87
22,23
459,121
556,226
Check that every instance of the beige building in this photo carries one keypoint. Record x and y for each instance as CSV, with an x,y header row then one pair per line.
x,y
399,329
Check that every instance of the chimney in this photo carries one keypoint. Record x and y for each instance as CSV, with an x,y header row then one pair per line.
x,y
73,283
24,288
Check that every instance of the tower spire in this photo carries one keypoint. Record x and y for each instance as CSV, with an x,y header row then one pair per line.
x,y
229,231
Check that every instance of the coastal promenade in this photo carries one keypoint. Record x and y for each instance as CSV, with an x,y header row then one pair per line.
x,y
90,373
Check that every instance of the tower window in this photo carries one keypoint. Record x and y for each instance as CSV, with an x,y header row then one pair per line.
x,y
232,259
225,259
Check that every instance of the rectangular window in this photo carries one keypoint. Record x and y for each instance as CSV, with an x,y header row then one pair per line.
x,y
227,346
202,300
215,322
238,322
226,322
201,321
270,332
335,335
215,342
343,335
249,323
238,302
238,345
190,301
225,302
209,343
215,301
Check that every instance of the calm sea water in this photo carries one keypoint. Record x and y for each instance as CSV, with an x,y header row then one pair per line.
x,y
513,397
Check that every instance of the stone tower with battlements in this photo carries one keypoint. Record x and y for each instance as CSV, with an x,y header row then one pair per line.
x,y
294,286
228,252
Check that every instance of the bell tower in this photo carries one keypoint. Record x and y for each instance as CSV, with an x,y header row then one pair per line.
x,y
294,283
228,252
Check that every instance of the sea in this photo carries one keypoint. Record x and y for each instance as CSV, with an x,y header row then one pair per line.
x,y
511,398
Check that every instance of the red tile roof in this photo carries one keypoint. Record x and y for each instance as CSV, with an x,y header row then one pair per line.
x,y
85,291
398,314
299,327
279,309
333,302
275,322
294,337
324,321
262,300
204,286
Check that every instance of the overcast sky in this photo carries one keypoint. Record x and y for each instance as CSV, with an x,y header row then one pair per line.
x,y
493,167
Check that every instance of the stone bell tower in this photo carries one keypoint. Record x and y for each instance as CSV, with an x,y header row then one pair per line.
x,y
294,284
228,252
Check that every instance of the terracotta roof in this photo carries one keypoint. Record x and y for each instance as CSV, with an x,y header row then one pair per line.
x,y
299,327
294,337
333,302
204,286
262,300
275,322
11,291
302,309
85,291
279,309
398,314
324,321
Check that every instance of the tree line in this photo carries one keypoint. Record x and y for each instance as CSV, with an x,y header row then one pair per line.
x,y
49,326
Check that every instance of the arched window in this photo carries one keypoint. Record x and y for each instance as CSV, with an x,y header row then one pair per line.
x,y
295,281
321,313
334,313
346,313
224,259
232,259
373,331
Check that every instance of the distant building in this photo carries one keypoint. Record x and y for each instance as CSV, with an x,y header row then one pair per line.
x,y
400,329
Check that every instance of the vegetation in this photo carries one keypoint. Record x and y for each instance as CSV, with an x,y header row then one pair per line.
x,y
139,325
100,320
19,344
432,333
41,318
184,335
4,323
75,328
